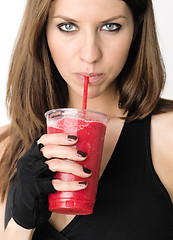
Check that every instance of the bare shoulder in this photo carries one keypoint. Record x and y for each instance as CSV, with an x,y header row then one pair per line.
x,y
3,145
2,216
3,128
162,148
5,141
162,130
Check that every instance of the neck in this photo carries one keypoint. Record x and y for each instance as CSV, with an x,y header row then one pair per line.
x,y
106,103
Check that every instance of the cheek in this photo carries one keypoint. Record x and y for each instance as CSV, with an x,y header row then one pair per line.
x,y
55,51
58,51
60,55
123,53
119,53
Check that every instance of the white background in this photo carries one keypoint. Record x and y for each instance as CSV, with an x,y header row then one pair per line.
x,y
11,14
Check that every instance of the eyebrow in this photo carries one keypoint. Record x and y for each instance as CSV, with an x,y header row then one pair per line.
x,y
105,21
113,18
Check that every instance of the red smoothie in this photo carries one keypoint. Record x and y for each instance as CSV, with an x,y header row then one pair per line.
x,y
90,135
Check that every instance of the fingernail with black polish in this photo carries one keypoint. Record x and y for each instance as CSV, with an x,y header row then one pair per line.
x,y
81,154
82,184
40,145
72,138
86,170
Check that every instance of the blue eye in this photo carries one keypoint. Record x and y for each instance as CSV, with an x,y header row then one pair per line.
x,y
111,27
67,27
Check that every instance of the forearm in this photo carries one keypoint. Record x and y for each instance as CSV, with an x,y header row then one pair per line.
x,y
14,231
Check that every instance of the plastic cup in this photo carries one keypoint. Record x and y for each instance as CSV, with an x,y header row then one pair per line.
x,y
90,128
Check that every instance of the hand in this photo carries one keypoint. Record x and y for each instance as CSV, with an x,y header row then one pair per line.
x,y
58,147
34,177
31,188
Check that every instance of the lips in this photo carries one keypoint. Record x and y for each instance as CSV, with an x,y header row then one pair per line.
x,y
93,77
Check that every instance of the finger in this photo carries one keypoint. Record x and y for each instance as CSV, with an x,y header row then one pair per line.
x,y
68,186
45,186
57,165
57,139
63,152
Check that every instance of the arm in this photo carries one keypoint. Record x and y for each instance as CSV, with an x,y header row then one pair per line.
x,y
162,148
2,215
29,169
12,229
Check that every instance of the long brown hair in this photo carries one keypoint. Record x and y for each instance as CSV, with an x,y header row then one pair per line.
x,y
35,85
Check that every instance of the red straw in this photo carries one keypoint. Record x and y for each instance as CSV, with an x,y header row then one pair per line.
x,y
85,92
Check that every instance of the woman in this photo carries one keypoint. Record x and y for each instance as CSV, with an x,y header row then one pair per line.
x,y
113,42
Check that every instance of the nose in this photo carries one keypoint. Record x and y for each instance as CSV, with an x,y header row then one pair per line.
x,y
90,48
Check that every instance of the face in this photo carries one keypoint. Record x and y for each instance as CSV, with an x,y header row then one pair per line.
x,y
89,38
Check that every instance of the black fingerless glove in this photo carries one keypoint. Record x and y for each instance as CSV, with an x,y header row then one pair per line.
x,y
32,186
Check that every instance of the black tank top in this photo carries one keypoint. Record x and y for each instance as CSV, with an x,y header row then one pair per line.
x,y
131,204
